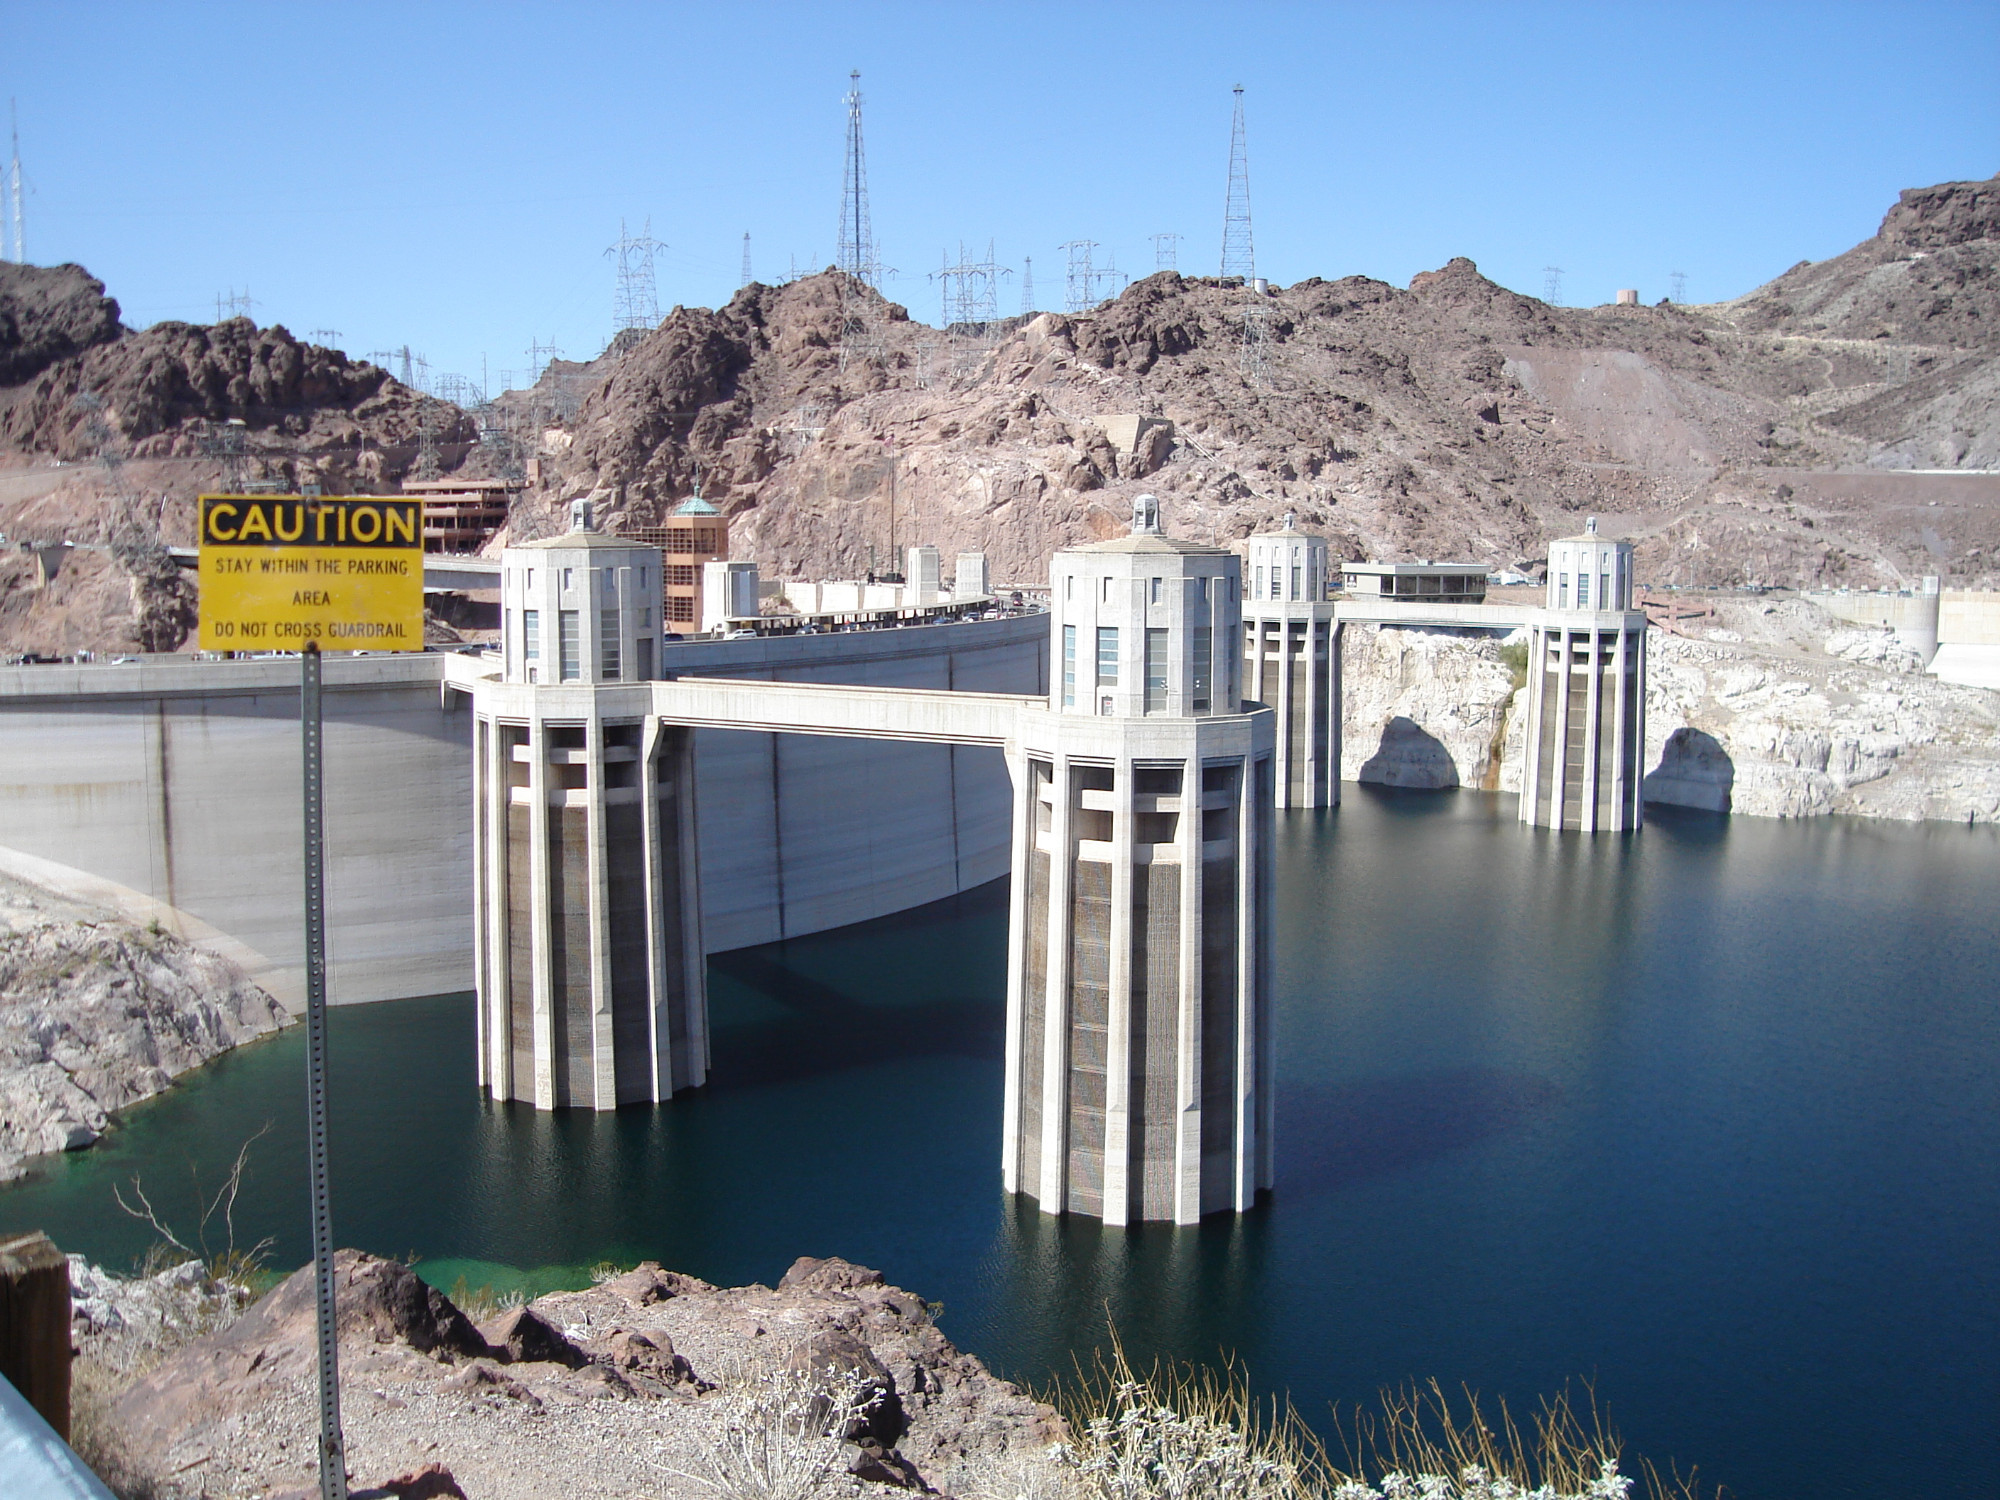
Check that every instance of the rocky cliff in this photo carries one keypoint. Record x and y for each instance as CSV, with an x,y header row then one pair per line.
x,y
96,1014
620,1389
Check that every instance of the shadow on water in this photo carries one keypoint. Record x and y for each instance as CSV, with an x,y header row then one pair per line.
x,y
1336,1138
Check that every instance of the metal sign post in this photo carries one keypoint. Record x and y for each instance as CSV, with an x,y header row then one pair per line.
x,y
290,572
332,1447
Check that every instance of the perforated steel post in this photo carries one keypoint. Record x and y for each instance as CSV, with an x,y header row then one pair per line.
x,y
332,1449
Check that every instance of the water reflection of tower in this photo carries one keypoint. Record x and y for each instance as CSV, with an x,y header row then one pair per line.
x,y
1139,1044
1290,663
1586,691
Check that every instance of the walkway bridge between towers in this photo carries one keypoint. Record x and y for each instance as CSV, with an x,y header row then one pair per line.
x,y
1435,612
916,715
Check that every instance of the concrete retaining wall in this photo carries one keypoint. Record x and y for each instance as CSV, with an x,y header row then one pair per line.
x,y
180,780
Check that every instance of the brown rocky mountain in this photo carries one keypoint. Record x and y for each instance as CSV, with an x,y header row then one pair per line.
x,y
1765,440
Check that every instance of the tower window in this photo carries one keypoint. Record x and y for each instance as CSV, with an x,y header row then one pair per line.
x,y
1156,669
1156,591
1583,591
1107,656
607,644
1069,666
569,645
531,635
1204,652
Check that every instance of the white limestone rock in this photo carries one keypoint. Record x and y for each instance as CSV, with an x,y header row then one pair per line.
x,y
1422,708
97,1014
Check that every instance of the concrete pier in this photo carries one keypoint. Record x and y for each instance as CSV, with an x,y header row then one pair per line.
x,y
1291,661
1586,692
1139,1053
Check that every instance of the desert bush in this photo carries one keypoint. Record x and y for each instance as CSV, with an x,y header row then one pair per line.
x,y
776,1433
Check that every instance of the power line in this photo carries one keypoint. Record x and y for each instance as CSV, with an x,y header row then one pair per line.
x,y
326,338
1238,254
232,304
637,302
1166,252
539,355
970,290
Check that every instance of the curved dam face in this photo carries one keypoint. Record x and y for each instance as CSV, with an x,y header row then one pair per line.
x,y
179,781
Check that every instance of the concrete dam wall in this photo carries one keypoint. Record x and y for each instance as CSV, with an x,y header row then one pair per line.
x,y
179,782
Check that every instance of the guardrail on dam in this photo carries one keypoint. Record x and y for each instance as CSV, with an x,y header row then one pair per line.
x,y
179,780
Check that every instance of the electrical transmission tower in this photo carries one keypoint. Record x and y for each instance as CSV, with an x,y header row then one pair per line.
x,y
1085,281
539,355
1251,357
637,302
970,289
326,338
856,255
224,442
429,420
1166,252
233,304
20,255
1027,286
1239,257
746,261
1679,279
1552,285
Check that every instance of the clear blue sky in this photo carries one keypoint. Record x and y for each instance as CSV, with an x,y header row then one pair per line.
x,y
449,175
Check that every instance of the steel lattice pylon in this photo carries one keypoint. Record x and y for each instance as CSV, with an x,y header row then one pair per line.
x,y
1239,257
856,254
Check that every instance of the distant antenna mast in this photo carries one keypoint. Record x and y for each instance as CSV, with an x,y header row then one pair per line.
x,y
1680,285
1552,285
1027,286
14,186
1167,251
1238,256
856,255
637,302
746,260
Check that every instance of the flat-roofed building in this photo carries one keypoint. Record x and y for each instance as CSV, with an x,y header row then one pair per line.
x,y
1456,583
460,514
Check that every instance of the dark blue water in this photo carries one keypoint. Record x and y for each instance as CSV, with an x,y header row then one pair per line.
x,y
1709,1117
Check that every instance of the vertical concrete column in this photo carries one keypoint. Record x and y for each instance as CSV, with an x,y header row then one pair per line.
x,y
603,1046
1639,729
1118,1009
1018,772
1053,1180
1187,1019
1286,708
495,798
1592,732
1621,725
1252,815
482,973
540,873
1338,708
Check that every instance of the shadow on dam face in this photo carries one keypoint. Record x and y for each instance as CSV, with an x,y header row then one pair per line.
x,y
812,1007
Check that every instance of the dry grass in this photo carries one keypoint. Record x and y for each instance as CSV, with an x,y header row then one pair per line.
x,y
1197,1433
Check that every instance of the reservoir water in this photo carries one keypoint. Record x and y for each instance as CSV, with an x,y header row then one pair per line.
x,y
1708,1117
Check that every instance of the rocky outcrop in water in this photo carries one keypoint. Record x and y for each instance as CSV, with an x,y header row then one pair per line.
x,y
97,1014
1778,711
612,1389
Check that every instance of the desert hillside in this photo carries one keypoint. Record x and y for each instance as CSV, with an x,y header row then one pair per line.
x,y
1766,440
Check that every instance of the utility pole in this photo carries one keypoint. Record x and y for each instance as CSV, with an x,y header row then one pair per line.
x,y
1238,254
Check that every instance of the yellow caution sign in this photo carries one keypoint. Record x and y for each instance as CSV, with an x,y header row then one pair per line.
x,y
278,571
